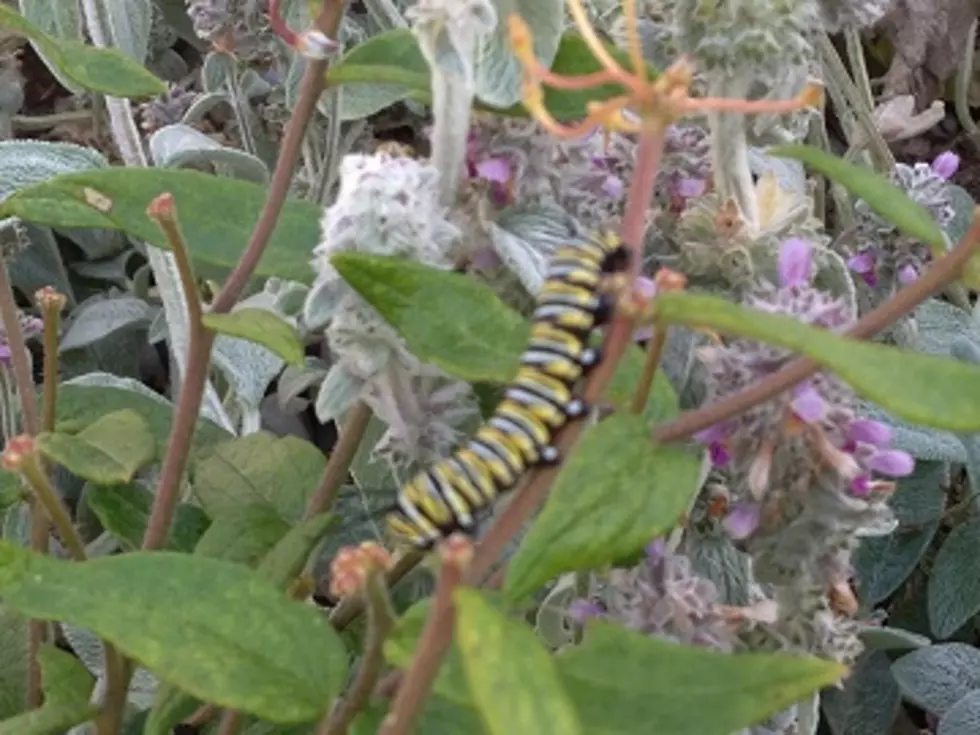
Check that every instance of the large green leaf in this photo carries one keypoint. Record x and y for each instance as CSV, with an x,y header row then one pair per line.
x,y
67,687
217,214
108,71
13,662
446,318
622,681
210,627
615,494
260,468
108,451
881,195
511,676
924,389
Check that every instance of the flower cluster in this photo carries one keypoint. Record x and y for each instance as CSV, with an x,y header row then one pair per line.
x,y
885,259
662,596
235,25
803,470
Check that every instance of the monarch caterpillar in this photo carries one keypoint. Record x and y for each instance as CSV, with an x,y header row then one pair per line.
x,y
447,495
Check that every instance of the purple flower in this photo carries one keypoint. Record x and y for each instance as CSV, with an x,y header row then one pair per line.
x,y
807,403
496,170
715,437
893,462
690,188
861,486
795,263
946,164
907,274
870,432
656,549
5,355
582,610
613,187
864,265
742,521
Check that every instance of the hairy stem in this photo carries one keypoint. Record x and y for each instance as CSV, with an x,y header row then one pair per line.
x,y
942,273
964,78
230,722
730,150
339,464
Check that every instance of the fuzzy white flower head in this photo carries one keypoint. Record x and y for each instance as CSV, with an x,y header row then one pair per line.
x,y
387,205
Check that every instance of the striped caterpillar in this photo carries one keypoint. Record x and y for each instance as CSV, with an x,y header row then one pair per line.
x,y
447,495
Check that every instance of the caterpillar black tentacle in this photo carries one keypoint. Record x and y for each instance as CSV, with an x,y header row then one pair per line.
x,y
448,495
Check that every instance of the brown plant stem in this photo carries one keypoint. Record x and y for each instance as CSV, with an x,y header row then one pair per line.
x,y
432,646
51,305
199,341
655,351
36,478
380,621
334,474
230,721
942,273
39,528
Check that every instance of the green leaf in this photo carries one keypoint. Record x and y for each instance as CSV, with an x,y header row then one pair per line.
x,y
209,627
954,585
243,535
393,59
886,199
445,318
616,493
124,511
79,406
67,687
262,327
13,662
109,451
946,392
511,676
108,71
217,214
621,681
286,559
260,468
11,489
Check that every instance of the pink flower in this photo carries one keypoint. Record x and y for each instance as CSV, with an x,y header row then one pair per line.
x,y
582,610
864,265
795,263
893,462
807,403
870,432
946,164
742,521
496,170
907,274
